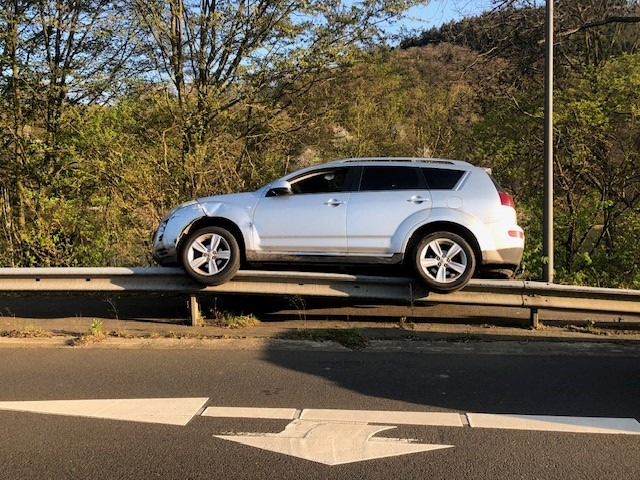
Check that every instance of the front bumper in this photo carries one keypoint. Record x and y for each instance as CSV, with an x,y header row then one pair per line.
x,y
172,229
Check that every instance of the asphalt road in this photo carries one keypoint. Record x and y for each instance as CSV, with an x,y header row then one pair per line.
x,y
60,447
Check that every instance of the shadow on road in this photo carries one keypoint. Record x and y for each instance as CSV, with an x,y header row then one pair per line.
x,y
472,382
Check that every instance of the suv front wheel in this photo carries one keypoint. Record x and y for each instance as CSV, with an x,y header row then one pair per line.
x,y
444,261
211,256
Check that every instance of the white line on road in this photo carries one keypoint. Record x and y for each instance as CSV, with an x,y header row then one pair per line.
x,y
547,423
169,411
439,419
179,411
248,412
628,426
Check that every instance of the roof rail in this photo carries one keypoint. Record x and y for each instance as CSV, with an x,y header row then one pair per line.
x,y
440,161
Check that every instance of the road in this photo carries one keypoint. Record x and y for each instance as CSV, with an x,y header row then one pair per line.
x,y
43,446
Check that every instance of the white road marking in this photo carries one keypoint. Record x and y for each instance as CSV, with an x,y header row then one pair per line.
x,y
332,443
438,419
335,437
628,426
327,436
170,411
241,412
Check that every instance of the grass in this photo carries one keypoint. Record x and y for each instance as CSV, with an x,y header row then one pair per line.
x,y
541,326
300,305
590,327
348,337
95,330
28,331
233,321
94,335
405,324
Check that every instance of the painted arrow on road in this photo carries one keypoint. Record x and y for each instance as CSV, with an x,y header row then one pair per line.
x,y
331,437
332,443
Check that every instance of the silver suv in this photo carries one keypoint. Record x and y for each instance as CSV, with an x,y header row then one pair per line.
x,y
444,218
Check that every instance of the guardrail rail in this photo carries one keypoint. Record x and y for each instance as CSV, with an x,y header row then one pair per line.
x,y
505,293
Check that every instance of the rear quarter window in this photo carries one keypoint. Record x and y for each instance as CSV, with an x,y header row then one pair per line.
x,y
442,179
379,178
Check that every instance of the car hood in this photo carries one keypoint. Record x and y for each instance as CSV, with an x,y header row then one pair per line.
x,y
242,200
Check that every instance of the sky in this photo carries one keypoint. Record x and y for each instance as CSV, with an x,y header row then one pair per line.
x,y
437,12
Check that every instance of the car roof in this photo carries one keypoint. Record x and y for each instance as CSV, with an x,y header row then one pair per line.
x,y
402,160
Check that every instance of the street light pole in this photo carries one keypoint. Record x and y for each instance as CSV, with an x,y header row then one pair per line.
x,y
547,240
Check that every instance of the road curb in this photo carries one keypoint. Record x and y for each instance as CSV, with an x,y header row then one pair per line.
x,y
434,346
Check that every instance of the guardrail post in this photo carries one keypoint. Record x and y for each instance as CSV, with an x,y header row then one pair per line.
x,y
194,311
535,321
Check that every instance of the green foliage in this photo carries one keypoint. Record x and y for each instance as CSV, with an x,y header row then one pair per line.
x,y
94,334
419,102
91,161
599,190
96,328
233,321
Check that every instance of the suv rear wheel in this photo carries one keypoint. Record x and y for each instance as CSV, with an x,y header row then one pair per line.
x,y
444,261
211,256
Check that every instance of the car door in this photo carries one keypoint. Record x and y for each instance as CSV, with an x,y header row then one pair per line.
x,y
390,196
311,219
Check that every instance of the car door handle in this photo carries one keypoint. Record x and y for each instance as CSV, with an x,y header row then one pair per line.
x,y
417,199
334,202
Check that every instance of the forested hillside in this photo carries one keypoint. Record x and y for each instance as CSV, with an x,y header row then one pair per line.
x,y
115,111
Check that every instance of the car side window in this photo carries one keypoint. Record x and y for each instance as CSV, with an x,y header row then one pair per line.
x,y
376,178
441,178
325,181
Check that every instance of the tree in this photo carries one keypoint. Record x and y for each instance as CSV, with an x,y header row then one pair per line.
x,y
12,129
233,57
587,32
599,156
416,102
55,53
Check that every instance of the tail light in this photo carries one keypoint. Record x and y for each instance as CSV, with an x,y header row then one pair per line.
x,y
506,200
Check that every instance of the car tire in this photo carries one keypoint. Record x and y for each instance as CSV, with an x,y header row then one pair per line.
x,y
210,255
439,270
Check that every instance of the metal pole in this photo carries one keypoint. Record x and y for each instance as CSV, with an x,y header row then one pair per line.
x,y
534,318
194,311
547,240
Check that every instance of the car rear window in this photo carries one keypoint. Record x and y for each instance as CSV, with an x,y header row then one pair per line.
x,y
442,179
391,178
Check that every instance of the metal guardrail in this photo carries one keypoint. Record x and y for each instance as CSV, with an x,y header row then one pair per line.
x,y
522,294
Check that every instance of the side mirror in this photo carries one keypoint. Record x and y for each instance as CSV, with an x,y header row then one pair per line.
x,y
278,188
